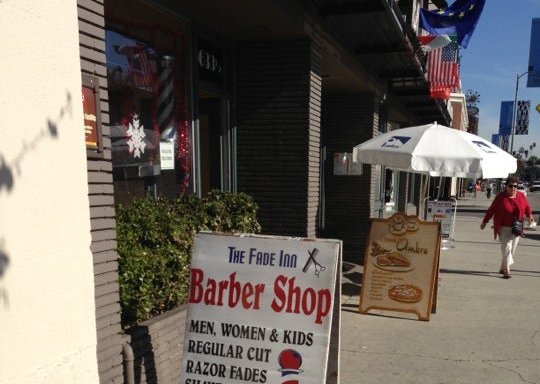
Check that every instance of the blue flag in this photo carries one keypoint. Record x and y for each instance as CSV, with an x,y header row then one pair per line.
x,y
505,120
533,78
459,19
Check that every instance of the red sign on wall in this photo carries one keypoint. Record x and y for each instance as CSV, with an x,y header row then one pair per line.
x,y
90,117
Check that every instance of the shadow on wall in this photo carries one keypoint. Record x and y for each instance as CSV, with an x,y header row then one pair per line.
x,y
11,170
4,262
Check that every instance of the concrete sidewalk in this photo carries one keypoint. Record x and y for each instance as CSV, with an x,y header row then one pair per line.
x,y
471,203
486,329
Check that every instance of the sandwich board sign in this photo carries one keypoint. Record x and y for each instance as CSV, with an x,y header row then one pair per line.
x,y
262,309
401,266
445,213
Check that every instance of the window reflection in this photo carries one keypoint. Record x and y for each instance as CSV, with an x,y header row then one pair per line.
x,y
148,112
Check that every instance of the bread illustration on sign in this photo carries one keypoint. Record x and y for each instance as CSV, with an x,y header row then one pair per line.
x,y
400,224
393,259
377,249
406,293
389,260
412,223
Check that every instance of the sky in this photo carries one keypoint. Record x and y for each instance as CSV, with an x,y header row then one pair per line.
x,y
497,52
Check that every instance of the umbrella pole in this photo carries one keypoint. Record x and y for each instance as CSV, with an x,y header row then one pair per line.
x,y
440,188
424,189
421,197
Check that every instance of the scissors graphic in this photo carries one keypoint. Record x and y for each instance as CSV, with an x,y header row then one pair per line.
x,y
311,260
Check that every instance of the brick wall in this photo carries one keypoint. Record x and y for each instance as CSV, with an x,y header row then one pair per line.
x,y
278,124
349,119
101,200
157,348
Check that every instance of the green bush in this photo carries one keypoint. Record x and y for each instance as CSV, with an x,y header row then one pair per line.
x,y
154,243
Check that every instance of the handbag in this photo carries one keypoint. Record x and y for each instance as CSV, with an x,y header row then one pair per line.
x,y
517,224
517,227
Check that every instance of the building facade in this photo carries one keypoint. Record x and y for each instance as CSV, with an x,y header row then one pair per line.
x,y
265,97
260,100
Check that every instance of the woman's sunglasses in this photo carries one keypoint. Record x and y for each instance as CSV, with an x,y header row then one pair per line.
x,y
512,185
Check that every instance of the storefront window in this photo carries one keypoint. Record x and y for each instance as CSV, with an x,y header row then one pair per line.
x,y
149,107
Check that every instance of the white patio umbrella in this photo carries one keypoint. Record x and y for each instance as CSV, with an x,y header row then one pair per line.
x,y
436,150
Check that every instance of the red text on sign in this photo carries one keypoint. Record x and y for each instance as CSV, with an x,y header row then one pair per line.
x,y
215,292
292,299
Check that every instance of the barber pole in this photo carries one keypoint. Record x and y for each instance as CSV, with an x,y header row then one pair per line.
x,y
165,97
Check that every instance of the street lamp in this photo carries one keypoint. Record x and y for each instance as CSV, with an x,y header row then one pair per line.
x,y
514,111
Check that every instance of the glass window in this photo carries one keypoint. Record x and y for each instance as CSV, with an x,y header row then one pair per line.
x,y
150,124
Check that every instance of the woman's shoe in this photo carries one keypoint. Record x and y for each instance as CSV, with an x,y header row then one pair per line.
x,y
507,276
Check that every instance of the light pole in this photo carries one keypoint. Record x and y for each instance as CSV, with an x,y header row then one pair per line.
x,y
514,112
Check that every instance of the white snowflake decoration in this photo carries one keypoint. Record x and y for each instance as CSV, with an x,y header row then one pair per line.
x,y
136,136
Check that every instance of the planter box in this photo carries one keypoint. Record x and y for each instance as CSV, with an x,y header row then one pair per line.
x,y
157,347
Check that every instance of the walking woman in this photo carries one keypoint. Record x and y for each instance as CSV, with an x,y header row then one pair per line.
x,y
508,205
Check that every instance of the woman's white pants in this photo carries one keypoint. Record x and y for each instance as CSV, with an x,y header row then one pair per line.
x,y
509,244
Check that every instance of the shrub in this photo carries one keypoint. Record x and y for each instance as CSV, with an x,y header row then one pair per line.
x,y
155,237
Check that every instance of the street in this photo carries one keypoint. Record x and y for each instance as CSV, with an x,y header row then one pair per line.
x,y
534,201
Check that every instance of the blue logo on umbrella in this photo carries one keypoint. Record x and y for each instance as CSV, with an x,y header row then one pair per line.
x,y
395,142
483,146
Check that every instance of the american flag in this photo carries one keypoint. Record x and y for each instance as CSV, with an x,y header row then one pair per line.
x,y
442,68
142,71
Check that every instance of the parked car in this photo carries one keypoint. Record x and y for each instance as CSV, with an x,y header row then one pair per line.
x,y
535,186
522,189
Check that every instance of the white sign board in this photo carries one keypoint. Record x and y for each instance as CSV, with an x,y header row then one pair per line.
x,y
442,212
344,165
260,309
166,154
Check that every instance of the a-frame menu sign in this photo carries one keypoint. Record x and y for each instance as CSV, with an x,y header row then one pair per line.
x,y
401,266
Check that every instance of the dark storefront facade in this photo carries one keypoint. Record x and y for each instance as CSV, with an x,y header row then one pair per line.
x,y
258,101
256,97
